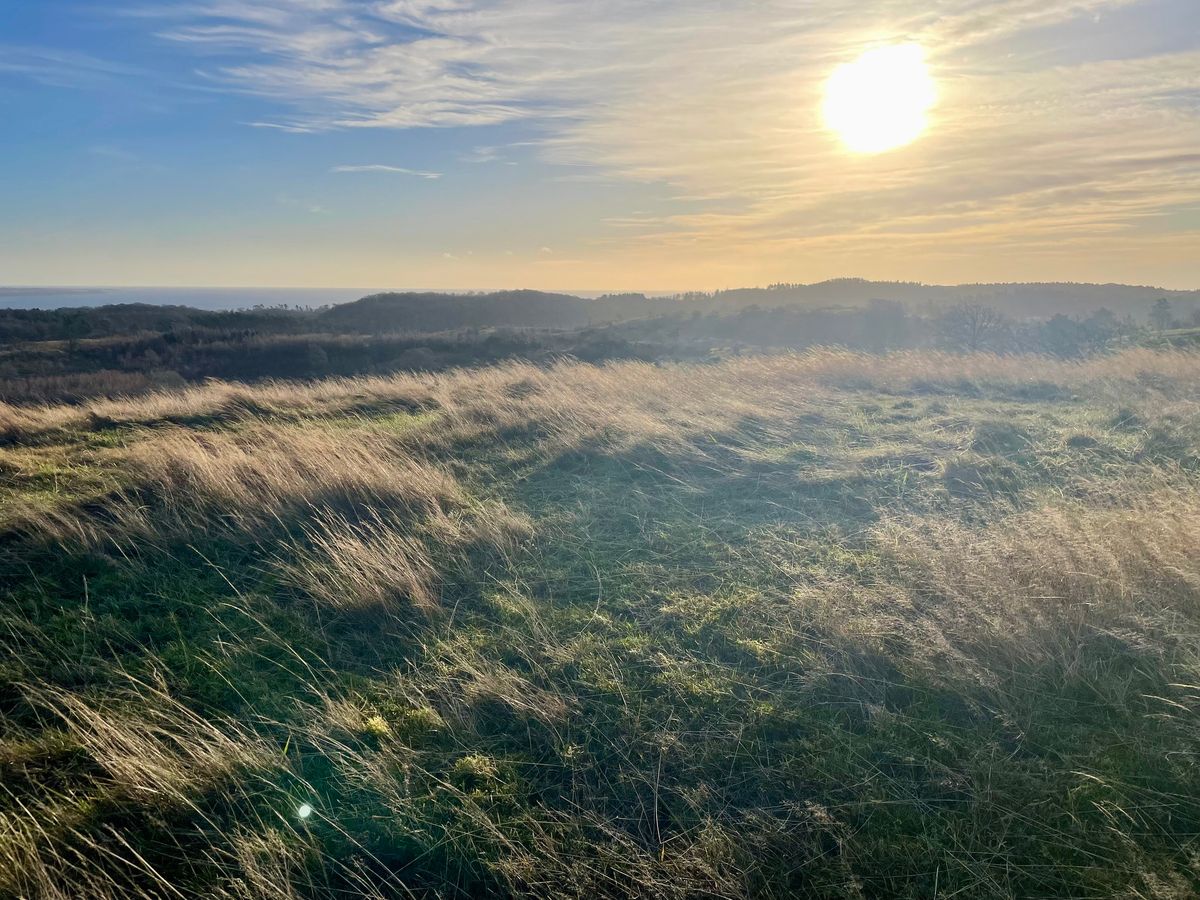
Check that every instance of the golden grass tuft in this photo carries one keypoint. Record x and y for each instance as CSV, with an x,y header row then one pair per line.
x,y
150,747
1033,589
152,756
378,562
187,483
361,566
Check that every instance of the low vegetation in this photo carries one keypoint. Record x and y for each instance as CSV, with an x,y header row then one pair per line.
x,y
825,624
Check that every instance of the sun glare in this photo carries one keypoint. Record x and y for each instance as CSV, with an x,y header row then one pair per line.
x,y
880,101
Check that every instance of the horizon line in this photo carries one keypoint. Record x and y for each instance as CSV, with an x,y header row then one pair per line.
x,y
550,290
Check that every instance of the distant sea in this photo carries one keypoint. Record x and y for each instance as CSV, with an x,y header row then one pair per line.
x,y
200,298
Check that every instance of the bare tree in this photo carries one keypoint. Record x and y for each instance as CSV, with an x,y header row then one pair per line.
x,y
1161,316
972,327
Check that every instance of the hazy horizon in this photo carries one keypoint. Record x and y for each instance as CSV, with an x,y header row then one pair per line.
x,y
83,287
245,296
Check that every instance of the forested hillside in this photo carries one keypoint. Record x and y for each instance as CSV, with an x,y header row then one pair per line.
x,y
70,354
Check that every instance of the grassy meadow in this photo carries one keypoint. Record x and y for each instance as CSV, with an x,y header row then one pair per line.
x,y
824,625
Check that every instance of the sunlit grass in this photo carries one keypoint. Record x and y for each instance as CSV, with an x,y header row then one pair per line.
x,y
825,625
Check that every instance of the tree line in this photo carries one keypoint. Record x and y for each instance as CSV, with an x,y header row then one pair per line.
x,y
69,354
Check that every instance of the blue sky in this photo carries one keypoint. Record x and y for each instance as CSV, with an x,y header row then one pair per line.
x,y
653,145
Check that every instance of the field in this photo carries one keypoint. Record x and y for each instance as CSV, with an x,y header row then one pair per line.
x,y
823,624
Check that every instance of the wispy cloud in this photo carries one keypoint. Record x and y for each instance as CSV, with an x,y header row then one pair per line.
x,y
62,68
113,152
280,126
390,170
718,101
480,155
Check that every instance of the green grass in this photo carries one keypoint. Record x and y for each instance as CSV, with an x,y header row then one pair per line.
x,y
707,671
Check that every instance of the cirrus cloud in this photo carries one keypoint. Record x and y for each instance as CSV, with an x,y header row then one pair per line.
x,y
1037,143
387,170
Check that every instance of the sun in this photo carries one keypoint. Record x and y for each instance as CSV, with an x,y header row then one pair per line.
x,y
880,101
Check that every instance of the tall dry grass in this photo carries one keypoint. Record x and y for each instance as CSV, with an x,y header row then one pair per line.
x,y
150,746
349,516
183,482
144,750
1035,590
1068,594
379,563
623,397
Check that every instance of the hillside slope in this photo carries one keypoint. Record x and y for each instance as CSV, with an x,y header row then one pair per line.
x,y
826,625
1017,299
431,312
